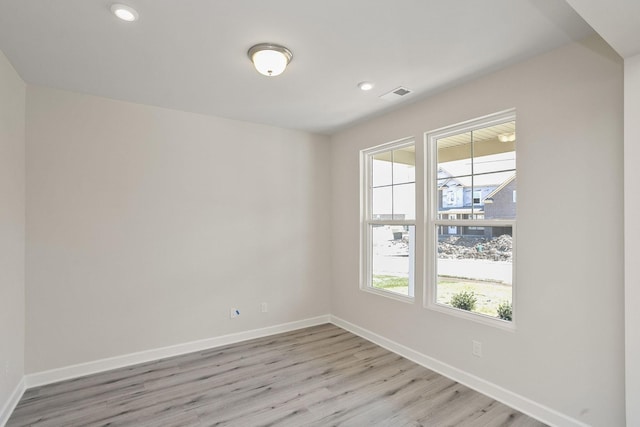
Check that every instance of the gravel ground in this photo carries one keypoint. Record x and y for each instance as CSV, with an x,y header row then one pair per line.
x,y
469,247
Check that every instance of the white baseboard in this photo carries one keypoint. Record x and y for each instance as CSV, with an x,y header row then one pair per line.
x,y
11,404
536,410
75,371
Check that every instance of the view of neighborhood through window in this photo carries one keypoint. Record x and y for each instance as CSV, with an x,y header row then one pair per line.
x,y
474,219
390,219
470,218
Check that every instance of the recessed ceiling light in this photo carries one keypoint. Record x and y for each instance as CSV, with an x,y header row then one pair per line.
x,y
365,86
124,12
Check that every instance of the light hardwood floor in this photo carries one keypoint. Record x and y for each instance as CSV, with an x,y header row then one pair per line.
x,y
319,376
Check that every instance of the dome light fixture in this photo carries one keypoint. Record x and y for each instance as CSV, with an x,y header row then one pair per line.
x,y
124,12
270,59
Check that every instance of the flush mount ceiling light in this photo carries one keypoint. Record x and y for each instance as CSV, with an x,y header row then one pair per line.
x,y
365,86
124,12
270,59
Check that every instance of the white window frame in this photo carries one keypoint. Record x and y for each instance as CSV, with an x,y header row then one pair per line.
x,y
432,223
366,221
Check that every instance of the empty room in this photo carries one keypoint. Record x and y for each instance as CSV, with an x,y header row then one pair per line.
x,y
296,213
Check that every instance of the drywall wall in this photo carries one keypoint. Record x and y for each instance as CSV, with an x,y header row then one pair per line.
x,y
12,229
146,225
567,352
632,235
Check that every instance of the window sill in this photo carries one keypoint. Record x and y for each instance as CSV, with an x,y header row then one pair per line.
x,y
389,294
474,317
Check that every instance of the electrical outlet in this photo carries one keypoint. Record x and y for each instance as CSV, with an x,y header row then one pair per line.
x,y
477,348
233,313
6,369
263,307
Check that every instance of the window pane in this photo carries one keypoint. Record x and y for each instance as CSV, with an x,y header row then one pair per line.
x,y
404,201
393,184
381,203
381,168
392,258
404,165
475,166
476,266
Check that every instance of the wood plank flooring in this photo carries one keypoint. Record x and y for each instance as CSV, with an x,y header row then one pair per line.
x,y
319,376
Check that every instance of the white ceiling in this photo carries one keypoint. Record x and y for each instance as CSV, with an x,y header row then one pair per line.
x,y
191,54
617,21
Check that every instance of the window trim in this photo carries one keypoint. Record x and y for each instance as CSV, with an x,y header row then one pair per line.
x,y
431,222
366,221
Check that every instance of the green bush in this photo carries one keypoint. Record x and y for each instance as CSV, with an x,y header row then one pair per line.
x,y
464,300
505,311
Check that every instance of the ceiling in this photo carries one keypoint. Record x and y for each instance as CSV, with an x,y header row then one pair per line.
x,y
617,21
190,55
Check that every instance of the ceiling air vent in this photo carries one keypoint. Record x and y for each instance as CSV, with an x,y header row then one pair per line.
x,y
395,94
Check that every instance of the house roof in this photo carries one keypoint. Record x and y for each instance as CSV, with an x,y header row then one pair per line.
x,y
501,187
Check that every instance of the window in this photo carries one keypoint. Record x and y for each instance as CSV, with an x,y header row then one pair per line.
x,y
477,194
389,215
471,240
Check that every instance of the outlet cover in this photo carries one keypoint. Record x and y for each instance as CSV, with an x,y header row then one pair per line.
x,y
477,348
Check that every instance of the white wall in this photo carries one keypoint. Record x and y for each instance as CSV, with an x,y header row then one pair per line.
x,y
12,229
632,235
567,352
146,225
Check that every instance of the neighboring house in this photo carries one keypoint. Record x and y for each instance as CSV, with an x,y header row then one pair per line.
x,y
501,204
485,200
